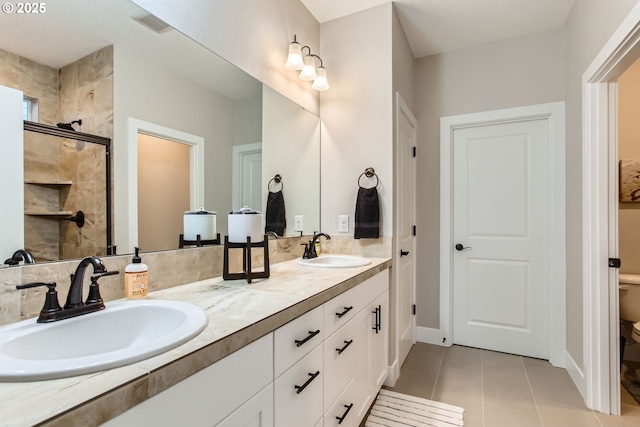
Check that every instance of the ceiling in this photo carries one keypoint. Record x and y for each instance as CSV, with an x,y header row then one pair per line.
x,y
437,26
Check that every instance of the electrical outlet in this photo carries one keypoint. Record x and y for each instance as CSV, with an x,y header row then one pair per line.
x,y
343,223
297,226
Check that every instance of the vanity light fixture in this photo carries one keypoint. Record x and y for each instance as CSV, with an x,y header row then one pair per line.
x,y
307,66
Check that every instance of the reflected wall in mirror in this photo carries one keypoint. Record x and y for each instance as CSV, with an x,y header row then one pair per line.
x,y
121,71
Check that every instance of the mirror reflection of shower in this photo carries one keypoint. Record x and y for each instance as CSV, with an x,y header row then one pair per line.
x,y
67,202
69,126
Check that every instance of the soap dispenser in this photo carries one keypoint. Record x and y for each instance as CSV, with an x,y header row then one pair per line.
x,y
136,278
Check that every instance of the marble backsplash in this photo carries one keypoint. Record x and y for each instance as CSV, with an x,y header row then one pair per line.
x,y
166,269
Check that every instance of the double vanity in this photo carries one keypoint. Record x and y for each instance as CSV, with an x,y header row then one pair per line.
x,y
308,346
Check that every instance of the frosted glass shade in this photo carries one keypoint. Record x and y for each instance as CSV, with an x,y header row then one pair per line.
x,y
320,83
294,60
308,72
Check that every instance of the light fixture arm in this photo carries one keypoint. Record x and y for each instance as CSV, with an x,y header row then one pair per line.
x,y
316,56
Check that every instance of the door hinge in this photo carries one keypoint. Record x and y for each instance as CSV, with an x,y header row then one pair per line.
x,y
415,230
414,309
414,151
615,262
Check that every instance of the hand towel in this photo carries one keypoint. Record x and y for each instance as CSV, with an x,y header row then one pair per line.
x,y
367,214
275,217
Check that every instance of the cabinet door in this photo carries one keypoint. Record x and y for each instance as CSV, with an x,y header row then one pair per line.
x,y
346,357
379,342
298,392
257,412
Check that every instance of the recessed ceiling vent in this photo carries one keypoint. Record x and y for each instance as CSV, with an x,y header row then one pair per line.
x,y
151,21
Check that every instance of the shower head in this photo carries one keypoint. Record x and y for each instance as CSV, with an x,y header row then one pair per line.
x,y
69,126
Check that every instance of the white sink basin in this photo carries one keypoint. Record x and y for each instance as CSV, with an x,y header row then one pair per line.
x,y
334,261
124,332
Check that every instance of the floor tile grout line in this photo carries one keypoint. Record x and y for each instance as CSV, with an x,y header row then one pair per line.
x,y
435,383
533,395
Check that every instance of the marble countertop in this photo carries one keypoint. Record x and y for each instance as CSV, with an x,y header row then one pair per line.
x,y
239,313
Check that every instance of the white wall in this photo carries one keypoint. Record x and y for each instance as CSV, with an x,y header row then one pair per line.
x,y
291,148
357,114
147,93
252,34
11,172
509,73
588,27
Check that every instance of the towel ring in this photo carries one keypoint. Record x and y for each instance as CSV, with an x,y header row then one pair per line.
x,y
278,180
369,173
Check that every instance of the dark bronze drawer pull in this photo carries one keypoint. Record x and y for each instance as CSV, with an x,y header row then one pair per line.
x,y
311,335
299,388
346,310
377,312
346,344
341,419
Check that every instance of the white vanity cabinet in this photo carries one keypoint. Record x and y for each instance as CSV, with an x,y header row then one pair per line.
x,y
213,394
323,368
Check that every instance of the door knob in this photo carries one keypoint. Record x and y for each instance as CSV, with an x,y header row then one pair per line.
x,y
460,247
403,253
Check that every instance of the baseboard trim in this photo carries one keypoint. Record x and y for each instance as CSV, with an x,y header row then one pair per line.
x,y
576,374
428,335
393,373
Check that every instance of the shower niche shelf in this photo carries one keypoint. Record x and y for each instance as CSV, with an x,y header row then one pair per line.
x,y
46,183
51,215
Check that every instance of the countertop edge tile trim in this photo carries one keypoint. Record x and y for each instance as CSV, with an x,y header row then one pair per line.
x,y
101,408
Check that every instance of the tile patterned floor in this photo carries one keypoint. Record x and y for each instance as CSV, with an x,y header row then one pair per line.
x,y
502,390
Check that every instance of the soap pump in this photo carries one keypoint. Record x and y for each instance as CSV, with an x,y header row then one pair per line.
x,y
136,278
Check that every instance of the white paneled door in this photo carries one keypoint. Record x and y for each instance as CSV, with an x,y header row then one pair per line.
x,y
405,256
501,188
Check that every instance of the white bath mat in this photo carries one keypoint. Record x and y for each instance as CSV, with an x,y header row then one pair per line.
x,y
393,409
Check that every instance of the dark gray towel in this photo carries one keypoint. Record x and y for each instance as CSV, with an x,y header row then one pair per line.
x,y
274,217
367,214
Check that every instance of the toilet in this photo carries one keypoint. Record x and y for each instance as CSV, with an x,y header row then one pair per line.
x,y
629,292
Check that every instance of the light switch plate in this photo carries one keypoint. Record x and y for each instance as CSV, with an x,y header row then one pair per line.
x,y
298,225
343,223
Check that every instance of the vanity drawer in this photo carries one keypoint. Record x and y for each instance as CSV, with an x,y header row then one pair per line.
x,y
345,355
298,392
296,339
339,310
347,410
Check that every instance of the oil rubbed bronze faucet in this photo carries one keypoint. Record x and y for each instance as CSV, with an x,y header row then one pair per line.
x,y
310,249
74,306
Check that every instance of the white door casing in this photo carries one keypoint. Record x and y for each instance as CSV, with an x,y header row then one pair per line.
x,y
553,114
599,378
127,237
500,217
406,128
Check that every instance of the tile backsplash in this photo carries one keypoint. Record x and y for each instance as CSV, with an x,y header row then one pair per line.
x,y
166,269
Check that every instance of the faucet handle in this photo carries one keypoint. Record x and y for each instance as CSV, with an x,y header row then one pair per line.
x,y
106,273
305,255
51,304
94,296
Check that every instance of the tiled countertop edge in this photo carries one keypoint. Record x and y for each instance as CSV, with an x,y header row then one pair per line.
x,y
120,399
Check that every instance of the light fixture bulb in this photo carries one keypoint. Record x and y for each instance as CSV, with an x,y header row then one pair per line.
x,y
308,72
320,83
294,60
